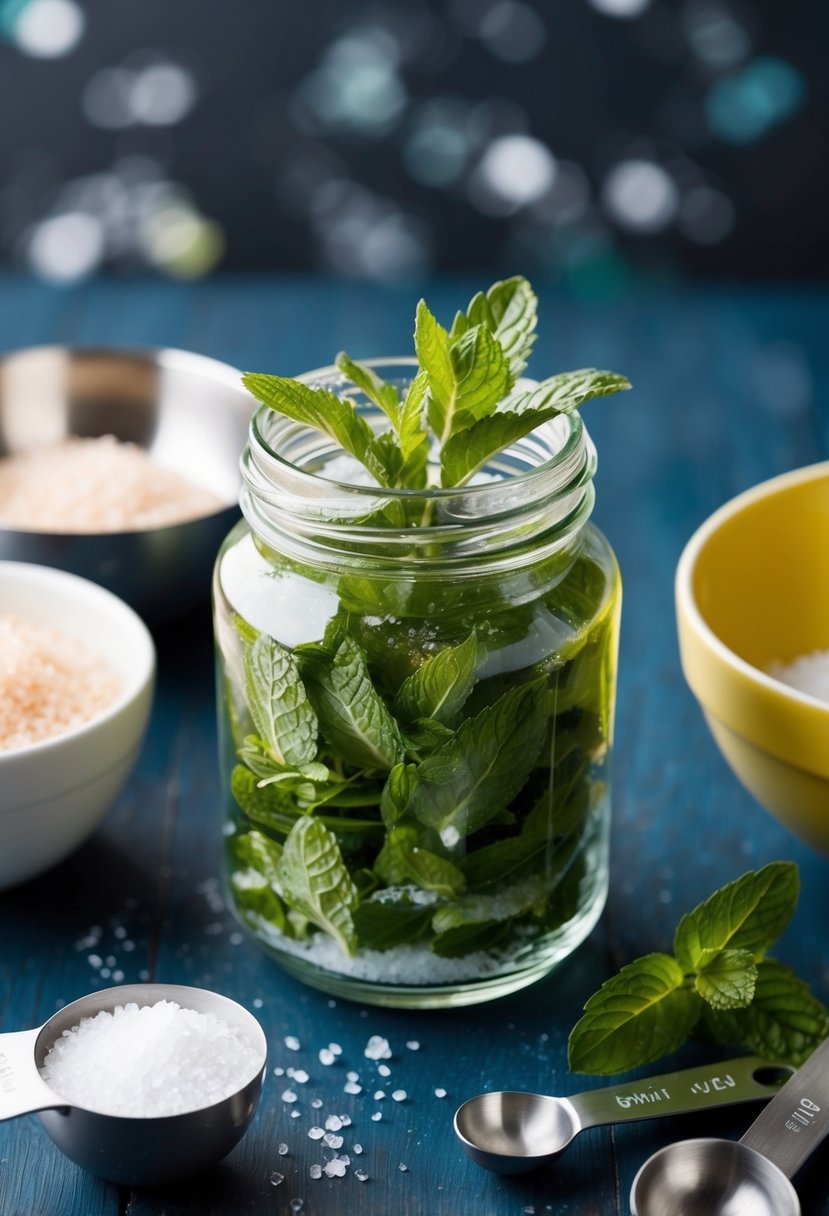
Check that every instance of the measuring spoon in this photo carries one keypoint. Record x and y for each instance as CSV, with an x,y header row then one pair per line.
x,y
749,1177
512,1132
131,1151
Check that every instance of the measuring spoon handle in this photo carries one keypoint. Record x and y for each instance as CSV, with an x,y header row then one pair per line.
x,y
22,1089
797,1119
675,1093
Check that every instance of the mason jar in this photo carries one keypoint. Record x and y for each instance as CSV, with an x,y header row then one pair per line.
x,y
416,693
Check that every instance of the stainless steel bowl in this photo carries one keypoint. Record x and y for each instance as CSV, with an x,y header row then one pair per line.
x,y
189,411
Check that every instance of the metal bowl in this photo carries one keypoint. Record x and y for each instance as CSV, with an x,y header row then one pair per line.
x,y
190,412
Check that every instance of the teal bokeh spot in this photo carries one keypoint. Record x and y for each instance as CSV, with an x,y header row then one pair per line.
x,y
10,11
742,108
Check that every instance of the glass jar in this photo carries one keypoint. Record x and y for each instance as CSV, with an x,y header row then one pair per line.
x,y
416,693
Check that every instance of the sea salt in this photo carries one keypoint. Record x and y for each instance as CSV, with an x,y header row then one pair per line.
x,y
50,683
335,1168
316,1133
276,1178
377,1048
297,1205
288,1096
361,1175
400,1095
808,673
326,1056
358,1149
404,1169
379,1095
292,1042
152,1060
351,1087
332,1141
283,1150
384,1070
413,1045
440,1093
315,1171
333,1123
377,1116
96,485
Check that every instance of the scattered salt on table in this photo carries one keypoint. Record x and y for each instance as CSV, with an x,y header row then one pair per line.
x,y
808,673
149,1061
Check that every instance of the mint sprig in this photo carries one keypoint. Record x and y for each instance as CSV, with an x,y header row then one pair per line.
x,y
461,407
719,984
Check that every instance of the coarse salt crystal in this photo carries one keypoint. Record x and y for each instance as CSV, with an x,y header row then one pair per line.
x,y
413,1045
809,673
399,1095
379,1095
283,1150
330,1140
377,1116
276,1178
153,1060
315,1171
316,1133
326,1056
333,1123
351,1087
404,1169
384,1070
288,1095
361,1175
50,683
96,485
358,1149
377,1048
292,1042
335,1168
440,1093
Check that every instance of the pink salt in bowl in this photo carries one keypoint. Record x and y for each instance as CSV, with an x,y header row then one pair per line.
x,y
55,789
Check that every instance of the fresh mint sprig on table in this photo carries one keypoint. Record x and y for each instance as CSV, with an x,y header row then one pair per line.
x,y
460,408
718,983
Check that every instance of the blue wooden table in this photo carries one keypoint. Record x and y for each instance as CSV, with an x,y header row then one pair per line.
x,y
730,389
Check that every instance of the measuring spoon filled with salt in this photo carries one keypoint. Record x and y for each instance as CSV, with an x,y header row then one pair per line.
x,y
511,1132
139,1084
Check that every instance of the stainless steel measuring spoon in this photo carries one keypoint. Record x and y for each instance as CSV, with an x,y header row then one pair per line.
x,y
749,1177
131,1151
512,1132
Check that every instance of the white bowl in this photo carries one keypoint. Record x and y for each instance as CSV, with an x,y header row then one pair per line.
x,y
54,793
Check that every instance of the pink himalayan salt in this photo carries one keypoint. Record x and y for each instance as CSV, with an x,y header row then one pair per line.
x,y
49,683
95,485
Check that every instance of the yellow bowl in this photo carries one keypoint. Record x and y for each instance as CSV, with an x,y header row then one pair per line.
x,y
752,589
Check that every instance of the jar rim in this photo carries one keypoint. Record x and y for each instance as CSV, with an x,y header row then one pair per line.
x,y
545,470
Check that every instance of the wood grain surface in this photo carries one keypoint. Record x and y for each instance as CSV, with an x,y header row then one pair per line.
x,y
730,388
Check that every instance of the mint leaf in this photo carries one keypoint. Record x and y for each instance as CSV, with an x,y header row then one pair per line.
x,y
726,978
468,939
466,378
504,859
425,735
269,807
643,1013
412,429
259,853
477,774
785,1021
509,310
314,881
469,450
384,924
565,392
375,388
402,860
278,703
326,412
440,685
353,716
747,914
397,793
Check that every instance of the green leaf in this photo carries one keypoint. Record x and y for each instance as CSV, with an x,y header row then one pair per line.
x,y
278,702
402,860
397,793
470,450
384,924
259,853
638,1016
565,392
412,430
509,310
749,913
269,806
466,379
785,1021
440,685
353,716
315,881
375,388
726,978
469,939
477,774
326,412
503,860
425,735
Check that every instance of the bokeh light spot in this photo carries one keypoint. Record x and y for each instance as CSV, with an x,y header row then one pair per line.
x,y
640,196
743,107
162,94
181,242
706,215
512,31
357,86
47,29
620,8
67,247
107,99
515,170
714,34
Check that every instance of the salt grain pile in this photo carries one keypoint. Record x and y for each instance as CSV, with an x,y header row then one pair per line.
x,y
96,485
149,1061
809,673
49,683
